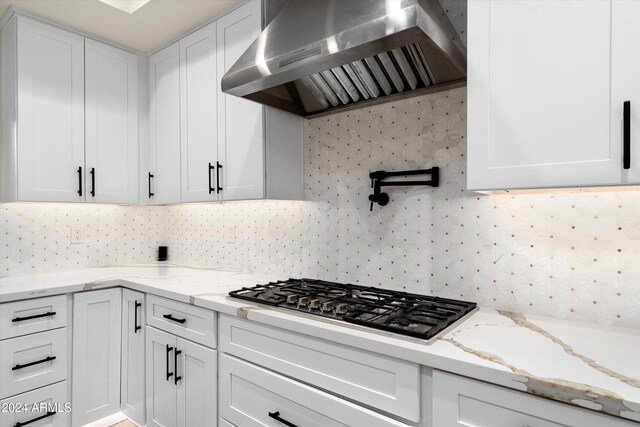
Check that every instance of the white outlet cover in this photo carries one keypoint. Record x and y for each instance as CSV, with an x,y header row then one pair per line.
x,y
76,235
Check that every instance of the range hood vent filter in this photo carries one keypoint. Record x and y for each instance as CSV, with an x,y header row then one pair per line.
x,y
321,56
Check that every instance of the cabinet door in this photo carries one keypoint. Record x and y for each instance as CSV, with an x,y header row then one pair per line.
x,y
111,108
539,95
96,355
240,121
132,377
625,69
461,402
51,113
198,115
160,369
164,126
197,384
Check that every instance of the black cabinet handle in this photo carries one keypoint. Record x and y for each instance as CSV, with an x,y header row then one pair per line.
x,y
176,378
211,189
35,316
26,365
150,193
136,328
173,319
218,167
80,181
93,182
276,416
33,420
169,374
626,131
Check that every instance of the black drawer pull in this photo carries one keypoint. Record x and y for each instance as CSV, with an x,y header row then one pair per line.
x,y
218,167
626,135
150,193
26,365
136,328
93,182
211,189
35,316
176,378
80,181
276,416
33,420
169,374
173,319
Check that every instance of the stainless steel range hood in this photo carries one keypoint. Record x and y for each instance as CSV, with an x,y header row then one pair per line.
x,y
320,56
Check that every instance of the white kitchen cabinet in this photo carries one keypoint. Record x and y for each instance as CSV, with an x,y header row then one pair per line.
x,y
197,386
259,148
163,178
253,396
132,384
181,381
160,390
96,355
459,401
546,86
198,115
51,403
43,112
111,108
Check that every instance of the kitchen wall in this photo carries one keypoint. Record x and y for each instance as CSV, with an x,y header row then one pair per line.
x,y
36,236
571,255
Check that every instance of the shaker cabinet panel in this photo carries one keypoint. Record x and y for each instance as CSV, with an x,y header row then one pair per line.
x,y
50,112
198,115
539,87
164,127
96,355
197,385
160,387
111,107
132,384
240,121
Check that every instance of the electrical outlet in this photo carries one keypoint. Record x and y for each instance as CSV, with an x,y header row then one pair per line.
x,y
232,238
76,234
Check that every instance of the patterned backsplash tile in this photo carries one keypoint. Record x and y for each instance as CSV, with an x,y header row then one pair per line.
x,y
570,255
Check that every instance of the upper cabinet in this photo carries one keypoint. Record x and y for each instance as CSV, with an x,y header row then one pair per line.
x,y
111,109
198,115
547,87
164,126
58,145
209,145
43,131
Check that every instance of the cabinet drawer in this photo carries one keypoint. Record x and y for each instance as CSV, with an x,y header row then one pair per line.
x,y
253,396
463,402
52,400
32,361
378,381
32,315
184,320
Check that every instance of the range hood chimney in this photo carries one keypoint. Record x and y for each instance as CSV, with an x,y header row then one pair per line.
x,y
318,57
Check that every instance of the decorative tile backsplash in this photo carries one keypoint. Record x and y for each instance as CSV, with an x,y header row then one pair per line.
x,y
570,255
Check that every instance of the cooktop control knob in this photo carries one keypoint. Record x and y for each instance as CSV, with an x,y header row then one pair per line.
x,y
303,301
341,308
292,299
328,306
314,303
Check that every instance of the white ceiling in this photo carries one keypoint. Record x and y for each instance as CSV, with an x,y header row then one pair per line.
x,y
153,25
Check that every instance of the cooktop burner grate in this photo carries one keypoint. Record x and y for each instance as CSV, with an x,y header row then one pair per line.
x,y
409,314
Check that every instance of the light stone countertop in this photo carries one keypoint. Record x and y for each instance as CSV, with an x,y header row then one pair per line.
x,y
588,365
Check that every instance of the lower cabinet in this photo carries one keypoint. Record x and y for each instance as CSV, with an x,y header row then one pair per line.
x,y
132,384
180,381
51,408
252,396
95,390
462,402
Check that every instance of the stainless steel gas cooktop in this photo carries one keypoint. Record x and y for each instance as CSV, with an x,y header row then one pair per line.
x,y
414,315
